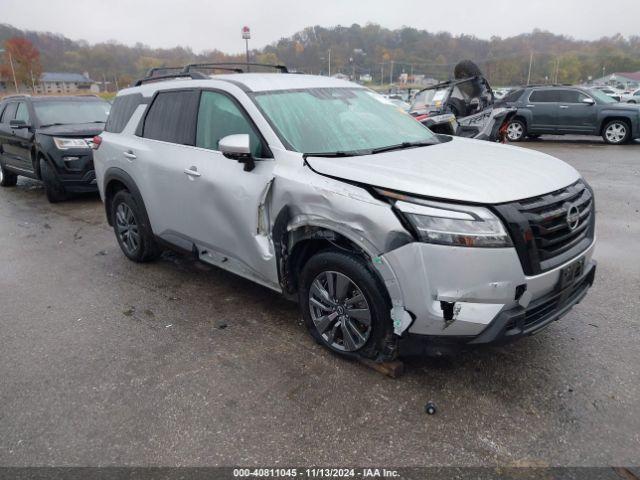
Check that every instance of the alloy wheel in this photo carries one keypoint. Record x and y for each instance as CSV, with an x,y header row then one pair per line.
x,y
127,228
515,131
616,132
339,311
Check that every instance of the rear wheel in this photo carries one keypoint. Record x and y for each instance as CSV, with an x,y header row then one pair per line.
x,y
7,178
516,130
616,132
344,304
132,231
52,186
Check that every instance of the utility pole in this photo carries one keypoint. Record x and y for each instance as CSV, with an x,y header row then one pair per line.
x,y
13,71
329,62
530,63
391,73
382,74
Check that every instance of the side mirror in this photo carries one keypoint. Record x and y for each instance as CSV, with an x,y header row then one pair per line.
x,y
588,101
18,124
238,147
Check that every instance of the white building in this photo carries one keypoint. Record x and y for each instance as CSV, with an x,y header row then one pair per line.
x,y
66,83
626,79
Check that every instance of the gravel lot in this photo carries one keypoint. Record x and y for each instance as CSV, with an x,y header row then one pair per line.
x,y
106,362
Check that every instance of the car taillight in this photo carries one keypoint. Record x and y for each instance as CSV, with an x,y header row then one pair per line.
x,y
421,117
97,140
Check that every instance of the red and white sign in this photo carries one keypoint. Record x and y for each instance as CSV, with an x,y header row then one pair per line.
x,y
246,33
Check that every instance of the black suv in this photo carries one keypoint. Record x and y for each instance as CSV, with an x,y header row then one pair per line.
x,y
49,138
561,110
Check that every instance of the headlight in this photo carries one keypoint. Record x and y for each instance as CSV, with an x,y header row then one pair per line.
x,y
67,143
457,225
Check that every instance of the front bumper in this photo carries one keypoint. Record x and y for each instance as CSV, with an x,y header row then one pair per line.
x,y
74,169
484,288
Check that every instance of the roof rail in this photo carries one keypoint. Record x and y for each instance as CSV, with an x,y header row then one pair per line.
x,y
160,78
236,66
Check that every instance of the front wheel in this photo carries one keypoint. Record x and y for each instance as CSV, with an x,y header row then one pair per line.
x,y
616,132
7,178
344,304
52,186
516,130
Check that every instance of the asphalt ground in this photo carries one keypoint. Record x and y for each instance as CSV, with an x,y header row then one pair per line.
x,y
107,362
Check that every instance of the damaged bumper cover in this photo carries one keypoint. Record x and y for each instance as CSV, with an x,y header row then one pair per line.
x,y
458,296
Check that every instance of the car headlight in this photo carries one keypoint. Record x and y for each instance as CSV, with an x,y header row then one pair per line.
x,y
452,224
67,143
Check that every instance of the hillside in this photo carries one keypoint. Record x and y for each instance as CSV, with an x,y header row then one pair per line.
x,y
361,49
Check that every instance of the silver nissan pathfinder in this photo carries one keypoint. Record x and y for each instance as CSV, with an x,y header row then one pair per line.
x,y
392,239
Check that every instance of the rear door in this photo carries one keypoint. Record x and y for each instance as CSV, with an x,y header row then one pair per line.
x,y
543,105
575,116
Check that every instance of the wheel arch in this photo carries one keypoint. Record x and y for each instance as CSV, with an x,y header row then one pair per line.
x,y
610,118
115,180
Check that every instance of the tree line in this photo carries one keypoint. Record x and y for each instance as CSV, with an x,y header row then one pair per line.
x,y
353,50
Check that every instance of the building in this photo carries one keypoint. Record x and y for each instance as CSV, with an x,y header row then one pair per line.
x,y
66,83
628,80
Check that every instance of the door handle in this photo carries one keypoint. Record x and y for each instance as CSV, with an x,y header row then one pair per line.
x,y
529,106
564,106
192,172
130,155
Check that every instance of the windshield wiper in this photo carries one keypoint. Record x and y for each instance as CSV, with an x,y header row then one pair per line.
x,y
401,146
337,154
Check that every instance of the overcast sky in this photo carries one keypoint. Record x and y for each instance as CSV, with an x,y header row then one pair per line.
x,y
208,24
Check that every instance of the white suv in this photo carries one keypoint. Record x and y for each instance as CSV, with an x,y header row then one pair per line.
x,y
392,239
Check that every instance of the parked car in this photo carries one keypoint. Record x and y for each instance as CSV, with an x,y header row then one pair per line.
x,y
571,110
632,97
609,91
49,138
391,238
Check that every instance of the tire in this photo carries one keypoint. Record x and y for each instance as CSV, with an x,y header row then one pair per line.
x,y
7,178
616,132
336,314
516,131
52,186
466,69
132,229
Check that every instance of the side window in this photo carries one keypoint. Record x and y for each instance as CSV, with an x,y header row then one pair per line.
x,y
9,112
637,94
22,113
121,111
568,96
219,116
172,117
512,96
543,96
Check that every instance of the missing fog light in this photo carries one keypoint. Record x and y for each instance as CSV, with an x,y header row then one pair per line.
x,y
447,310
520,289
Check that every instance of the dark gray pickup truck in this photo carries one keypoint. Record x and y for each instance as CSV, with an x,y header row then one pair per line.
x,y
564,110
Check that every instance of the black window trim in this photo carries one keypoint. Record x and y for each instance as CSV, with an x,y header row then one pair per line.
x,y
8,104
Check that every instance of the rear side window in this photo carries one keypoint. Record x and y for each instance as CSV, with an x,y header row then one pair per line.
x,y
9,113
172,117
570,96
121,111
544,96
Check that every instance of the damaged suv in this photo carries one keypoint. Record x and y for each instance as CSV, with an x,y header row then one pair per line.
x,y
393,240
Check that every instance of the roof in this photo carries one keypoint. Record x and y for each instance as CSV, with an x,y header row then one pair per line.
x,y
64,77
253,82
631,75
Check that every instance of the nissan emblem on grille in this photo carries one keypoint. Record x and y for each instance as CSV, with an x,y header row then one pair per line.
x,y
573,217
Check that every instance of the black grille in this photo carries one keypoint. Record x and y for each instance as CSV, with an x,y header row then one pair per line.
x,y
540,229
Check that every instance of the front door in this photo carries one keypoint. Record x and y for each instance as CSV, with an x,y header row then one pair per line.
x,y
228,205
575,116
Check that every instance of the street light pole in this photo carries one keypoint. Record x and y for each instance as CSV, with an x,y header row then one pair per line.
x,y
329,62
246,35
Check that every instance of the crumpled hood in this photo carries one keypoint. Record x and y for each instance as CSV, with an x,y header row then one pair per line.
x,y
462,169
74,130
